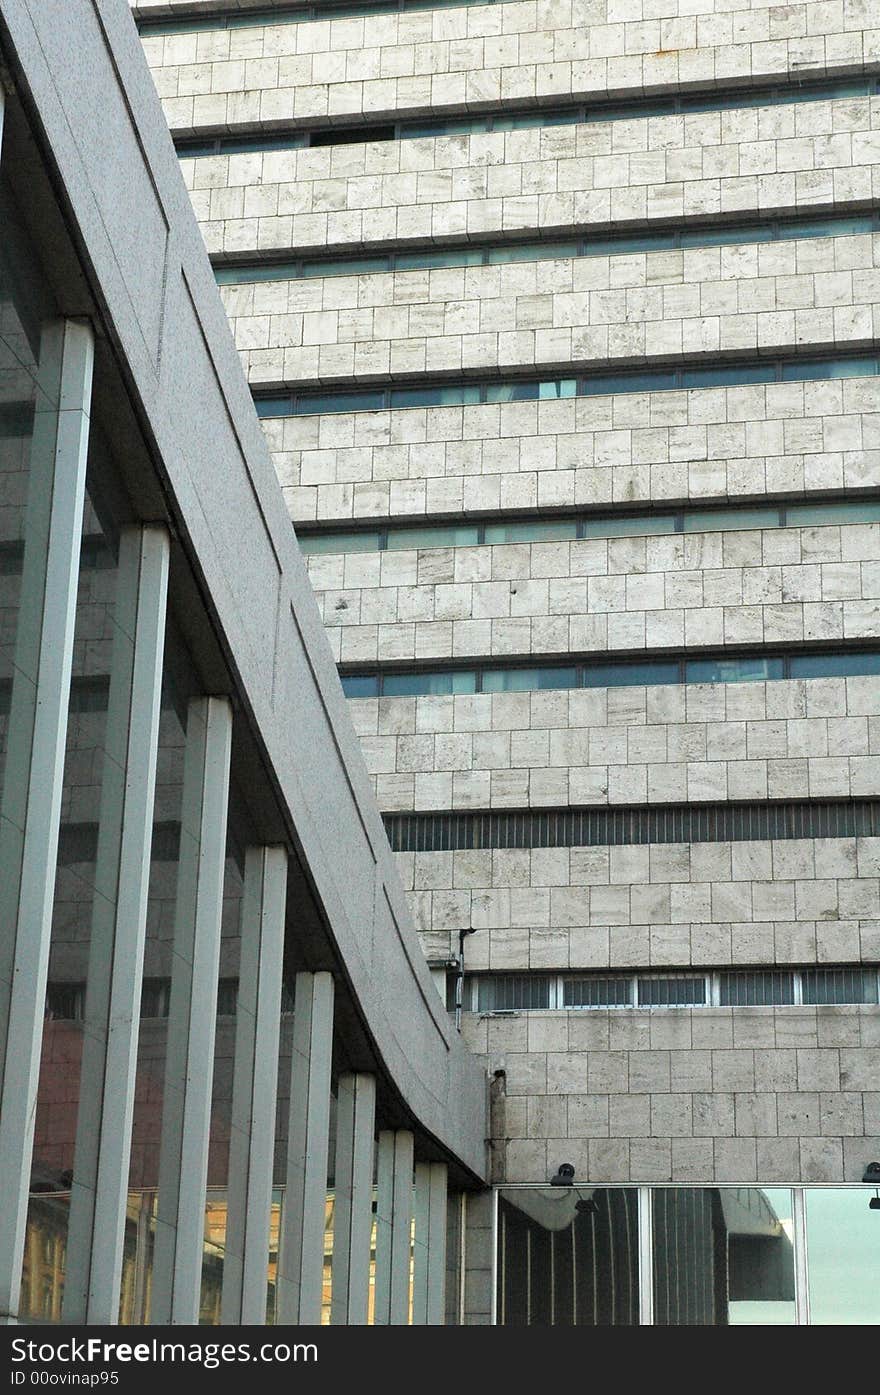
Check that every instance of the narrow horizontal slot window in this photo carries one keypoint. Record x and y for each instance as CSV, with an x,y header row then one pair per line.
x,y
524,680
512,992
671,992
572,114
598,992
498,254
522,390
824,987
627,825
755,988
542,529
429,684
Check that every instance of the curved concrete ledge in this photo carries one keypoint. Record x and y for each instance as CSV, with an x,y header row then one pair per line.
x,y
79,63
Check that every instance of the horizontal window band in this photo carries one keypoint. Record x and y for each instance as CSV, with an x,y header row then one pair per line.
x,y
604,382
586,245
66,1002
719,666
217,20
78,843
644,988
605,826
820,511
513,117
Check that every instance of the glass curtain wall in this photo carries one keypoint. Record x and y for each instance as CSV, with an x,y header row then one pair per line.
x,y
687,1256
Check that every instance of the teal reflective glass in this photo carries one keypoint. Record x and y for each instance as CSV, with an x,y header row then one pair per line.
x,y
735,670
360,685
858,511
834,665
453,536
340,542
273,406
531,252
456,126
526,680
806,370
429,684
526,120
720,520
630,675
721,237
453,256
831,227
340,402
244,145
627,382
726,374
243,275
627,527
356,266
843,1256
455,395
534,530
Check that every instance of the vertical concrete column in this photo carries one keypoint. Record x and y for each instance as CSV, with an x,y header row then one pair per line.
x,y
394,1200
301,1261
119,917
255,1077
353,1212
646,1257
192,1016
31,803
429,1245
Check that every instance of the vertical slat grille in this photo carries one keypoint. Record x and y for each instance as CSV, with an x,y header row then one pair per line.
x,y
559,828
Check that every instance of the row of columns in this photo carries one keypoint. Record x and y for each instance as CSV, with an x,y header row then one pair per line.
x,y
29,827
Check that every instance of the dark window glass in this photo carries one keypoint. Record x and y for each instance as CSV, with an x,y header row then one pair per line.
x,y
510,992
523,680
339,542
435,684
340,402
597,992
805,370
833,665
734,670
671,992
627,382
630,675
725,375
360,685
755,988
828,986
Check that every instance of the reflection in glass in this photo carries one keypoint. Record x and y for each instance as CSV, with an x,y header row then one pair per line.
x,y
843,1257
525,680
452,536
833,665
722,1256
568,1257
435,684
717,520
738,670
340,542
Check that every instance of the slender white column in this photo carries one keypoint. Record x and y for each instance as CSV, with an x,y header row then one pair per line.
x,y
646,1257
393,1227
119,916
252,1140
429,1249
301,1261
189,1057
34,772
353,1212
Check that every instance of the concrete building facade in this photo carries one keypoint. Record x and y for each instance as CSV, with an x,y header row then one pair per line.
x,y
561,317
